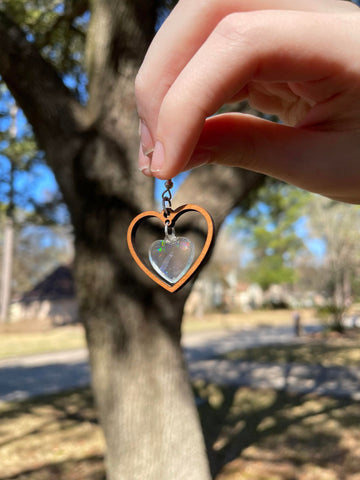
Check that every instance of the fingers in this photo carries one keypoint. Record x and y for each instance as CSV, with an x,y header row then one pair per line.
x,y
306,158
184,32
244,48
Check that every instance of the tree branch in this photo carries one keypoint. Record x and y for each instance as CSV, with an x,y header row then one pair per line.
x,y
218,189
118,36
73,10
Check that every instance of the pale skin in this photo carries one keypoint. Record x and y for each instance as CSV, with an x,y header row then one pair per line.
x,y
298,59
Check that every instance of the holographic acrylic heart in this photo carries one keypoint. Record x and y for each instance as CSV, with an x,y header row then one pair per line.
x,y
172,257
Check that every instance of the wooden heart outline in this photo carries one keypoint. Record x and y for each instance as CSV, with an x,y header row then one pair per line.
x,y
171,218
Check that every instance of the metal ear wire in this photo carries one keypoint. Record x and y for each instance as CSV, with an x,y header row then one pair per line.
x,y
167,196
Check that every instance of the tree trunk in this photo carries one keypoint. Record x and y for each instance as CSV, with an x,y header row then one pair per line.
x,y
141,385
8,245
6,269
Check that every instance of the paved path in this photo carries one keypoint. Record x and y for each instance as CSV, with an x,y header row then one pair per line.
x,y
205,345
48,373
24,377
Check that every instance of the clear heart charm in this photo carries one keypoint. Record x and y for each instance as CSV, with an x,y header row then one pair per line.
x,y
159,270
172,257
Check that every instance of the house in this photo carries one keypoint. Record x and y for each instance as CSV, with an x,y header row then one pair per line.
x,y
223,294
52,299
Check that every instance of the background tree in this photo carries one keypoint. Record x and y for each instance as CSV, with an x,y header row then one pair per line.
x,y
338,226
269,229
86,125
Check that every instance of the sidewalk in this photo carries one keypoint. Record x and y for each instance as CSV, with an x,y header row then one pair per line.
x,y
25,377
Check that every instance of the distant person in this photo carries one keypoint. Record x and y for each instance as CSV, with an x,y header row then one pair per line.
x,y
297,323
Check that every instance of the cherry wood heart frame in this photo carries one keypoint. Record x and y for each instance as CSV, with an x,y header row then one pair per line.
x,y
169,217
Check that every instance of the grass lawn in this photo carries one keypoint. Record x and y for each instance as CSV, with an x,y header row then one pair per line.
x,y
334,350
14,341
250,434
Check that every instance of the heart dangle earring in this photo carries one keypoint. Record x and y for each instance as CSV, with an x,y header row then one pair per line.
x,y
172,258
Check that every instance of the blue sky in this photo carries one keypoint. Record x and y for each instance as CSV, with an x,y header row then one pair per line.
x,y
38,183
316,245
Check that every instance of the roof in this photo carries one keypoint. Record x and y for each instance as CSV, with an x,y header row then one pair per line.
x,y
58,284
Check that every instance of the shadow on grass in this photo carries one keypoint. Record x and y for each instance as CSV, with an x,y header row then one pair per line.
x,y
52,415
323,355
296,428
75,404
89,468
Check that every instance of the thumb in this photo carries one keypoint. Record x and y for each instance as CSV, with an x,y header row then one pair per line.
x,y
324,162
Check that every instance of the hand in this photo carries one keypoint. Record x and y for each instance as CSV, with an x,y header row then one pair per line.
x,y
298,59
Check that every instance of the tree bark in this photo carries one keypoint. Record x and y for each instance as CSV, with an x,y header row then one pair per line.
x,y
142,390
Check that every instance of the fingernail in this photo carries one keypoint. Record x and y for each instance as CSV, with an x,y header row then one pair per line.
x,y
158,158
146,140
144,163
